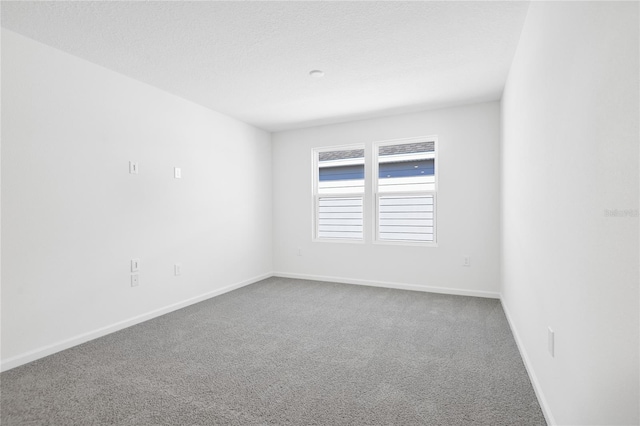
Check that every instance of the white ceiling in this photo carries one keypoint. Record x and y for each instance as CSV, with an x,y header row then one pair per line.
x,y
251,60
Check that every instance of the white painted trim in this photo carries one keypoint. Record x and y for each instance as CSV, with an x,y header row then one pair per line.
x,y
315,189
387,284
103,331
376,189
544,405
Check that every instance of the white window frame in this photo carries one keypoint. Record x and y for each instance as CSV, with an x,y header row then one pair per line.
x,y
315,152
377,194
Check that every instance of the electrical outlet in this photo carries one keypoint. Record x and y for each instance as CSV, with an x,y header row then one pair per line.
x,y
135,265
177,269
466,261
551,341
133,167
135,280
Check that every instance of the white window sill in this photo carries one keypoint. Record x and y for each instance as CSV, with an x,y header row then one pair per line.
x,y
406,243
337,240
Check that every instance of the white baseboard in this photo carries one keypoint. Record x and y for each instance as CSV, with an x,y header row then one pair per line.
x,y
85,337
387,284
544,405
103,331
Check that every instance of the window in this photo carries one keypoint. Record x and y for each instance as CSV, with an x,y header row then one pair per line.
x,y
339,193
403,185
405,190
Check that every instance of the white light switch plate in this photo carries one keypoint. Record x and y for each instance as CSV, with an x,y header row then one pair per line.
x,y
177,172
133,167
135,265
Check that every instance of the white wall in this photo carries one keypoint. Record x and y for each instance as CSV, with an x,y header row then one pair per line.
x,y
73,217
570,152
468,205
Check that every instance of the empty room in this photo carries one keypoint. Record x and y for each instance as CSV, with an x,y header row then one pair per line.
x,y
320,213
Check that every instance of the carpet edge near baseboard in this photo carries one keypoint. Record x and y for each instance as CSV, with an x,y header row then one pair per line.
x,y
394,285
53,348
544,405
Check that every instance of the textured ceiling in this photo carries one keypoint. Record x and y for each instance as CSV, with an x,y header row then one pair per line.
x,y
251,60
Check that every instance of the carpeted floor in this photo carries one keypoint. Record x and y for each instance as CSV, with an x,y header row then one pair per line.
x,y
289,352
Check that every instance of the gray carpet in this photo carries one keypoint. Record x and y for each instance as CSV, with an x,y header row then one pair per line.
x,y
289,352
